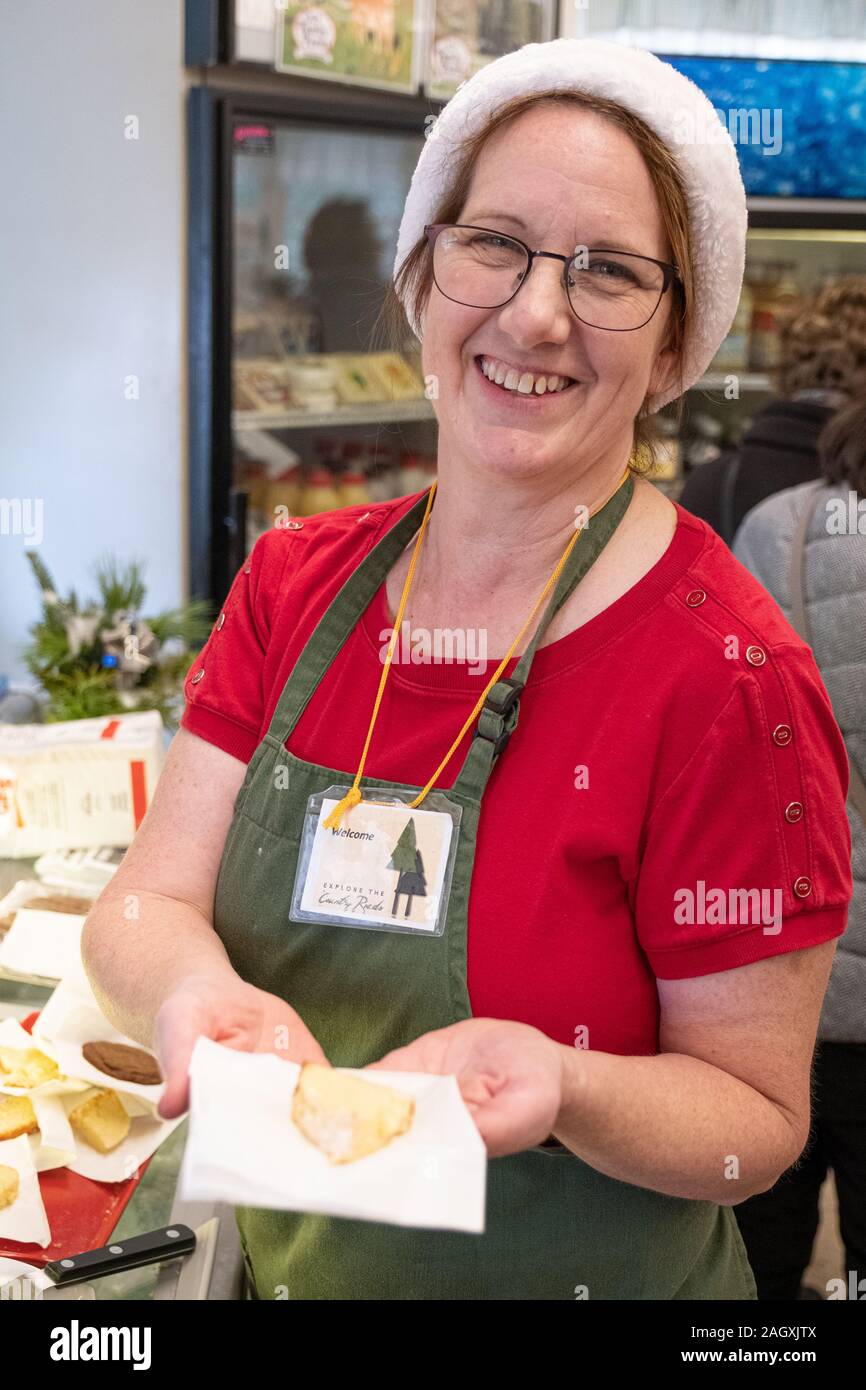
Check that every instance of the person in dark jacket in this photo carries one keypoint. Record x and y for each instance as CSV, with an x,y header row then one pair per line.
x,y
821,348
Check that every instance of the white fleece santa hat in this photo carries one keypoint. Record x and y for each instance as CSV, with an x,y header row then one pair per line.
x,y
679,113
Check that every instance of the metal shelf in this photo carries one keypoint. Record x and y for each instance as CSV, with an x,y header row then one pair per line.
x,y
393,412
370,413
747,381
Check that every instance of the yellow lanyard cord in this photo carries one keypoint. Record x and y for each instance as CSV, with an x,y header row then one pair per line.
x,y
353,795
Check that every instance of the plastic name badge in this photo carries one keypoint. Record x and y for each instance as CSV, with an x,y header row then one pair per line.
x,y
386,867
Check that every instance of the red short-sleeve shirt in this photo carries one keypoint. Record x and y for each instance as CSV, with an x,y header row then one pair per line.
x,y
671,804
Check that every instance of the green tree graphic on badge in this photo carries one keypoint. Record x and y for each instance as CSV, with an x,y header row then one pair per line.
x,y
406,860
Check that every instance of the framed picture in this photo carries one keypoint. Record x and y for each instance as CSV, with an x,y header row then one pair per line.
x,y
466,34
369,43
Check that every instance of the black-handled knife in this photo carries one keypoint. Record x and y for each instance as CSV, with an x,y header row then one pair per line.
x,y
167,1243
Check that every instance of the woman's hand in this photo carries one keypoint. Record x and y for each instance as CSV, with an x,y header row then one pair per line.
x,y
509,1074
226,1009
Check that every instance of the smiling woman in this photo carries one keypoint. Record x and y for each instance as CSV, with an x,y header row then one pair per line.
x,y
597,228
633,1070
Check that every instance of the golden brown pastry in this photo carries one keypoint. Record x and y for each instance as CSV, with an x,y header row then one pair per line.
x,y
17,1116
9,1184
25,1067
101,1121
347,1117
123,1062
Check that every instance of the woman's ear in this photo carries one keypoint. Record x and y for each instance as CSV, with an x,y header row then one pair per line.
x,y
665,372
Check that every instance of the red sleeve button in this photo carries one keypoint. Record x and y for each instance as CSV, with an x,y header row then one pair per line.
x,y
199,675
220,620
782,734
756,656
794,812
802,887
695,597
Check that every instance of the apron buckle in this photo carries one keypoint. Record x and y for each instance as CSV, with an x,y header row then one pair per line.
x,y
500,706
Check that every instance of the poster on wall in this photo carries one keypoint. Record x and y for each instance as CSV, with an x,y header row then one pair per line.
x,y
371,43
467,34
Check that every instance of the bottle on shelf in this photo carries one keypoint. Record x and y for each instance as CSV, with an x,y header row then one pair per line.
x,y
283,497
382,482
733,355
352,490
412,474
318,494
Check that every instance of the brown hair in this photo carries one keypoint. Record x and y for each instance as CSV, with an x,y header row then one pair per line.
x,y
414,279
822,339
842,443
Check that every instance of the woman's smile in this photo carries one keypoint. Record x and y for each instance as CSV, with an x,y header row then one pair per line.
x,y
519,390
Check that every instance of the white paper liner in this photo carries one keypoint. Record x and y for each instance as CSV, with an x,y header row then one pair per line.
x,y
13,1035
25,1219
244,1148
42,943
71,1018
144,1138
53,1145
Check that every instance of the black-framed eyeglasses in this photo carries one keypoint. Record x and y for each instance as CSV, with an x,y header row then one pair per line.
x,y
484,269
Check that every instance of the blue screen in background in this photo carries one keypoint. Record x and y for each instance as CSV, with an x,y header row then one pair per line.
x,y
811,140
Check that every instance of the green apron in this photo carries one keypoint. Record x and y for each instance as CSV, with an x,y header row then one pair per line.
x,y
556,1228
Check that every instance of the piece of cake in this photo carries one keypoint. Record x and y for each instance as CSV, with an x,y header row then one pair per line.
x,y
345,1116
17,1116
101,1121
25,1067
9,1183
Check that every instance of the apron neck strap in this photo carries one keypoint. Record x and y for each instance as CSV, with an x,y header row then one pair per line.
x,y
498,718
340,619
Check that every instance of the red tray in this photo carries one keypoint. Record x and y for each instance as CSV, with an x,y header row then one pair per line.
x,y
81,1213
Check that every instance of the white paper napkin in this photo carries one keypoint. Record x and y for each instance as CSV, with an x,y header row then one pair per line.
x,y
25,1219
69,1020
43,943
244,1148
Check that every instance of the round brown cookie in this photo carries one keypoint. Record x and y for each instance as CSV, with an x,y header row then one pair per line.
x,y
122,1062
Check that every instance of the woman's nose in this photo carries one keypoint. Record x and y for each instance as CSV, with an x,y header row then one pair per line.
x,y
540,309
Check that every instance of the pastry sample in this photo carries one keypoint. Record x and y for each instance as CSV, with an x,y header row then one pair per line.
x,y
123,1062
345,1116
26,1067
101,1121
17,1116
9,1183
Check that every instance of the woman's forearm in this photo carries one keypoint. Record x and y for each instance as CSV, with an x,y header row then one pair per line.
x,y
674,1124
138,946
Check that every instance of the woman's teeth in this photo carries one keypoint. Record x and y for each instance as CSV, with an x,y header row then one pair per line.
x,y
527,383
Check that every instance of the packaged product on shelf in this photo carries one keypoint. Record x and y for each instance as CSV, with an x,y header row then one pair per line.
x,y
733,355
667,451
775,292
400,382
413,474
312,380
352,490
77,783
263,382
357,381
319,494
383,481
283,497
